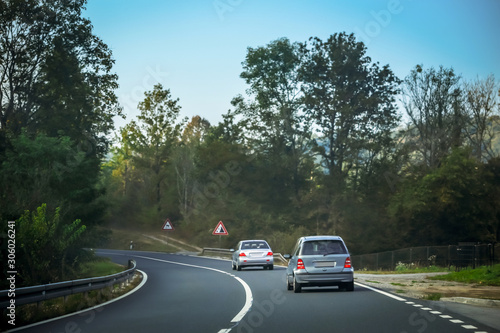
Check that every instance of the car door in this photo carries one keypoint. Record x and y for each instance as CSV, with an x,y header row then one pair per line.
x,y
292,263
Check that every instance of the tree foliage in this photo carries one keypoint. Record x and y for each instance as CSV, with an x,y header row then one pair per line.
x,y
44,241
57,103
316,146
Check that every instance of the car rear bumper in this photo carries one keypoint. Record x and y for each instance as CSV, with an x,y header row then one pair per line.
x,y
324,279
256,261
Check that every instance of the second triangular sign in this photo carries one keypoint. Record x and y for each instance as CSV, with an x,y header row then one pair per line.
x,y
220,229
168,226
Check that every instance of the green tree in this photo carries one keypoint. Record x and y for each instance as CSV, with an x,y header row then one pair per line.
x,y
351,102
55,75
45,242
193,136
450,204
152,141
274,121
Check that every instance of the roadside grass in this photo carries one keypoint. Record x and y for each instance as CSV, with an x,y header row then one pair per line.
x,y
486,276
410,270
99,267
32,313
120,240
433,297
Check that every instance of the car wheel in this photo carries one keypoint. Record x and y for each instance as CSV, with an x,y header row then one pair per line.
x,y
232,266
271,267
297,288
238,267
288,285
349,286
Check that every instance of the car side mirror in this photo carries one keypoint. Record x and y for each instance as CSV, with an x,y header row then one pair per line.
x,y
287,256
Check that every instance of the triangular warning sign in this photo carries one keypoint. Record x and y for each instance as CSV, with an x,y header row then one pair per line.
x,y
220,229
168,226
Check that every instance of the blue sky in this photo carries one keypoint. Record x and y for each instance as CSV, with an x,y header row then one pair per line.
x,y
195,47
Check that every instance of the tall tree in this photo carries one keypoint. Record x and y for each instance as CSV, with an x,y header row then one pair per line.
x,y
184,161
55,75
351,101
153,138
482,107
431,101
274,119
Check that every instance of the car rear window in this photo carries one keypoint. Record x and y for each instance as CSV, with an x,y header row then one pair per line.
x,y
323,247
254,245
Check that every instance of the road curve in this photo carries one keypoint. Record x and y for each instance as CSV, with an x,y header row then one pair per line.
x,y
194,294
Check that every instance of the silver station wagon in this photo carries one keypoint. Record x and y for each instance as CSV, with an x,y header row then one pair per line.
x,y
253,253
319,261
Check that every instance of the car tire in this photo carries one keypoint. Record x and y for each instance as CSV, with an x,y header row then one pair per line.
x,y
297,288
349,286
238,267
270,267
232,266
288,285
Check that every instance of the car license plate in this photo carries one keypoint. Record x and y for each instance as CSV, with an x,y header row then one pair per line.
x,y
325,263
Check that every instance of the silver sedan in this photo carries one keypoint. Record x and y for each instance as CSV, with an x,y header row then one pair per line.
x,y
252,253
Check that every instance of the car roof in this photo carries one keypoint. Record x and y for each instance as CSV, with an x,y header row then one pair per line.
x,y
326,237
253,240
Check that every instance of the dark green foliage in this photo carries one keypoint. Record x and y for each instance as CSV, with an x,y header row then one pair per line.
x,y
57,102
44,242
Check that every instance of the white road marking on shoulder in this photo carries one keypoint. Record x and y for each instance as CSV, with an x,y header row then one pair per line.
x,y
382,292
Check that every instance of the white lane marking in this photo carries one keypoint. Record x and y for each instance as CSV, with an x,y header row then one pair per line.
x,y
455,321
143,282
469,327
248,291
381,292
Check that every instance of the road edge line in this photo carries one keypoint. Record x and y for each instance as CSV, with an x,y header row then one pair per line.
x,y
381,292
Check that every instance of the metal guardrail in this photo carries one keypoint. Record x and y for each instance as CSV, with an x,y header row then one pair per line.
x,y
44,292
276,256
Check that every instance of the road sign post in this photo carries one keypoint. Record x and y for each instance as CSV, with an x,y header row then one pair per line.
x,y
220,230
167,226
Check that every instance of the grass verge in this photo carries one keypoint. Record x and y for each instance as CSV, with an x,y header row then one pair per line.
x,y
120,240
485,275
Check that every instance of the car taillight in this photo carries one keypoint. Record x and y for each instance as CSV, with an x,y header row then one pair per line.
x,y
347,263
242,254
269,253
300,264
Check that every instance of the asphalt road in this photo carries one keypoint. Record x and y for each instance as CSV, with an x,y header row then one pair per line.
x,y
195,294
